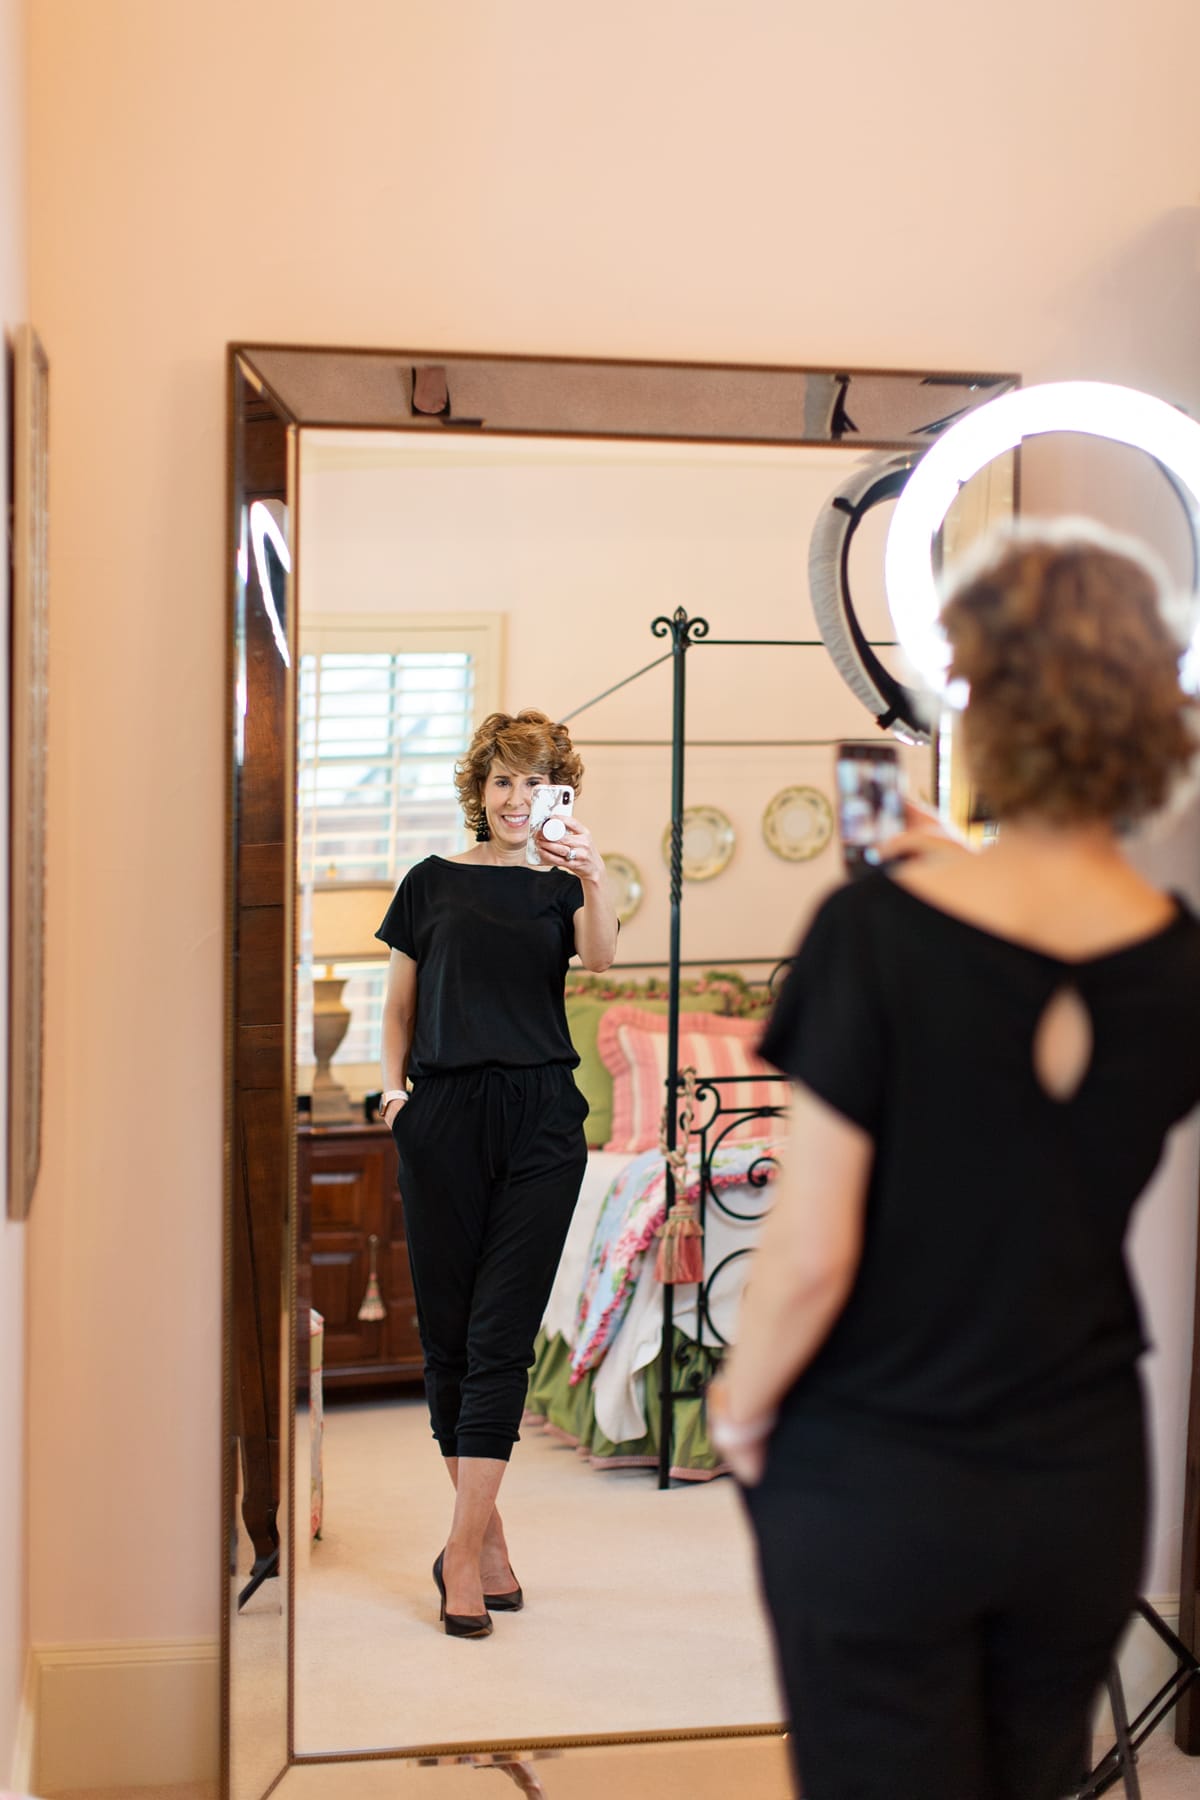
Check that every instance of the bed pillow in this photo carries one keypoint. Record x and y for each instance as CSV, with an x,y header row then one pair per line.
x,y
633,1046
584,1013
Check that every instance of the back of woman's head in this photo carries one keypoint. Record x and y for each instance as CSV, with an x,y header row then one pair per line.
x,y
1075,711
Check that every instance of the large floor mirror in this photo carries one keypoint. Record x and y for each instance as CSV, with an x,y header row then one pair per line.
x,y
416,539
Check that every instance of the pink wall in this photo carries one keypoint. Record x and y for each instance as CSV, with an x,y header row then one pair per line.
x,y
14,310
579,551
742,181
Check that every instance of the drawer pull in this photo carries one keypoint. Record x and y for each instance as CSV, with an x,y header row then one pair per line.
x,y
372,1308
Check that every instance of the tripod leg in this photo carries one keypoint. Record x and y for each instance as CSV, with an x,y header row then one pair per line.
x,y
1126,1754
264,1567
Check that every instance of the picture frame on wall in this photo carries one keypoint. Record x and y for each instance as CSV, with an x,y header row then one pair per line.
x,y
29,692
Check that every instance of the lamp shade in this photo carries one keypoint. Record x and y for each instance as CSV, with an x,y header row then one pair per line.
x,y
345,917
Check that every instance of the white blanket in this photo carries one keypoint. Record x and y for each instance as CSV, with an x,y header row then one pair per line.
x,y
619,1383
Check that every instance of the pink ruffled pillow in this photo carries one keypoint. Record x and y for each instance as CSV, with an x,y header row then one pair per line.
x,y
633,1048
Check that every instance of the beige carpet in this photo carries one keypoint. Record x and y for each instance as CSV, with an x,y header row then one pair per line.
x,y
642,1611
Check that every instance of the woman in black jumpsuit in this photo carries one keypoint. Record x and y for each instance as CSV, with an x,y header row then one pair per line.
x,y
934,1402
490,1139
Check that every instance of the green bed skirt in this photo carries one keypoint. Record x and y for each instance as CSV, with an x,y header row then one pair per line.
x,y
568,1412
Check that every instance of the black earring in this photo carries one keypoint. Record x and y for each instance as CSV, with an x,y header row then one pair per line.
x,y
482,830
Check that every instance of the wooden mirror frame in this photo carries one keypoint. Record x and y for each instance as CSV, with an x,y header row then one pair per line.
x,y
275,392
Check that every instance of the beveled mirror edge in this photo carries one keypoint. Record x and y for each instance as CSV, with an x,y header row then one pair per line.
x,y
288,1333
718,1766
241,368
513,1749
239,375
247,348
983,384
225,1518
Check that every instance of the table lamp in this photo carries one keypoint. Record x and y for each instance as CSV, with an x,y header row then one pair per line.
x,y
345,918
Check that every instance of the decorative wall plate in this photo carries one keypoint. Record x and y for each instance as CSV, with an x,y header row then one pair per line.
x,y
798,823
625,881
708,840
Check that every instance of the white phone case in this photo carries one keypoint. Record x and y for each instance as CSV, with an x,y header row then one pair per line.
x,y
551,803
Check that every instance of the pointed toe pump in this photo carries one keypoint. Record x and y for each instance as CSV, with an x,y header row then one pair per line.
x,y
462,1625
512,1602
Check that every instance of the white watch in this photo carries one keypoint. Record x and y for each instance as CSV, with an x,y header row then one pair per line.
x,y
390,1094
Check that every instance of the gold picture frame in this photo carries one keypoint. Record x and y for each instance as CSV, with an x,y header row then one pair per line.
x,y
708,842
798,823
625,884
29,686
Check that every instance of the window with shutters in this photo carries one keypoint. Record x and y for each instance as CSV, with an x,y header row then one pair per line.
x,y
384,712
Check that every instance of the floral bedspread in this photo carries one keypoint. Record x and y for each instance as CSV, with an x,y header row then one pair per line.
x,y
634,1208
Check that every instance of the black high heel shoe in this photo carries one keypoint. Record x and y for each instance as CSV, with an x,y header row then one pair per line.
x,y
463,1625
512,1602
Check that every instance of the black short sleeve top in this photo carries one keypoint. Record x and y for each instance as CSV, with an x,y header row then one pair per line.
x,y
491,945
993,1280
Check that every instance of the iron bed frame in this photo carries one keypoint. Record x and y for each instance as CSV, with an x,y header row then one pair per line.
x,y
688,632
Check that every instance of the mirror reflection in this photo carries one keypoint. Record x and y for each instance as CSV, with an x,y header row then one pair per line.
x,y
443,582
649,595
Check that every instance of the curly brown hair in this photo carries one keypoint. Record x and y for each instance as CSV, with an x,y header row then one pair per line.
x,y
528,743
1076,711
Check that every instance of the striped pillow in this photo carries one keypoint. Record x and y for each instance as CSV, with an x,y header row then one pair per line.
x,y
633,1047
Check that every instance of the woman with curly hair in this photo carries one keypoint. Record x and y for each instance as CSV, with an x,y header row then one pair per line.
x,y
934,1403
490,1137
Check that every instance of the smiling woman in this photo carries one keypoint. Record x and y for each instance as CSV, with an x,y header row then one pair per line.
x,y
490,1138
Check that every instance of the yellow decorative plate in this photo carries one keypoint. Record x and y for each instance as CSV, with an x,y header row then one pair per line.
x,y
798,823
708,840
625,880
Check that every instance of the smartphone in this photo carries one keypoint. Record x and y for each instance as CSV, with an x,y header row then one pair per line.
x,y
870,803
550,805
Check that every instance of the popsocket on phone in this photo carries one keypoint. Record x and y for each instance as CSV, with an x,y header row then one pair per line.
x,y
550,808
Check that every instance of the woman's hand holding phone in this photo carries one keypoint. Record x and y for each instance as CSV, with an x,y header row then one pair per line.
x,y
549,811
878,823
574,852
870,803
925,833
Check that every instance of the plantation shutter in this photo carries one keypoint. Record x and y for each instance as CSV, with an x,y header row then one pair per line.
x,y
384,712
379,734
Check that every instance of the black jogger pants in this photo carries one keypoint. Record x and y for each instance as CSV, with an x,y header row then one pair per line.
x,y
944,1619
491,1162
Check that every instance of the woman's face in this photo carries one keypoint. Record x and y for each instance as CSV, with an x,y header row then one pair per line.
x,y
506,800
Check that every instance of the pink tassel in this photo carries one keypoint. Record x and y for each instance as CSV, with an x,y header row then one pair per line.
x,y
680,1257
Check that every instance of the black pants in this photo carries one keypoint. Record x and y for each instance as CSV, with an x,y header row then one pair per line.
x,y
943,1620
491,1163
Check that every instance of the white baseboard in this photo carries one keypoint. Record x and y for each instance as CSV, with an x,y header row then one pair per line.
x,y
134,1714
21,1777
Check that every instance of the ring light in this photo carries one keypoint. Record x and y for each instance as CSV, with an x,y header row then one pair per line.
x,y
264,530
892,705
1095,408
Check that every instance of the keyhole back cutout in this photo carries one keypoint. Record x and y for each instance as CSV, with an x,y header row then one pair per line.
x,y
1063,1041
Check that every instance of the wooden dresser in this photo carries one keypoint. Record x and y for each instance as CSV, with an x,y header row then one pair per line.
x,y
346,1190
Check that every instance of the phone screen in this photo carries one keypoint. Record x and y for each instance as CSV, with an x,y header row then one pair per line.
x,y
870,802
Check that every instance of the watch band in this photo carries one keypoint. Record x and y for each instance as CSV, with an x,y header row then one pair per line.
x,y
390,1094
